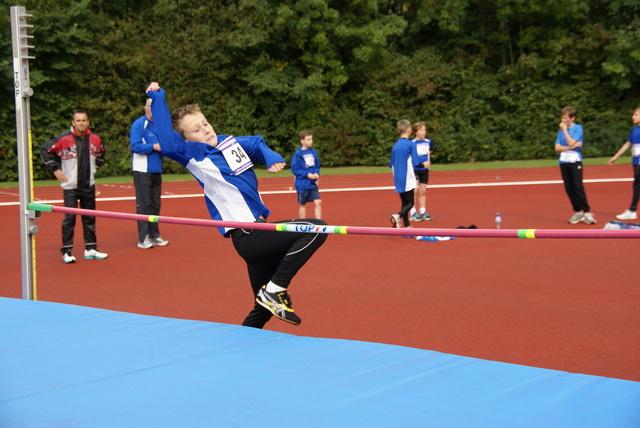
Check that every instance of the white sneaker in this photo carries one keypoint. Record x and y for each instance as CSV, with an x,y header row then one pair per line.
x,y
146,244
627,215
158,242
577,218
94,254
395,220
68,258
589,219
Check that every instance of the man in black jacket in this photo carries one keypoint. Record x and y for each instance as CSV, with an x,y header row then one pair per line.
x,y
81,153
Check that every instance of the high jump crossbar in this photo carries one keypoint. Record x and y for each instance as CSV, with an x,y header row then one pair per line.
x,y
354,230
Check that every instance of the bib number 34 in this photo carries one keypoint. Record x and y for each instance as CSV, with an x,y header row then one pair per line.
x,y
234,154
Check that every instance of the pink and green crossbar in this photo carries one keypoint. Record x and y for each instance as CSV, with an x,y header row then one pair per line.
x,y
355,230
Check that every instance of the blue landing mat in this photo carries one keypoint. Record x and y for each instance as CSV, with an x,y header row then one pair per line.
x,y
71,366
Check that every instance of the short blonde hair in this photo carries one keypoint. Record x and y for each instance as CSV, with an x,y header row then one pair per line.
x,y
403,126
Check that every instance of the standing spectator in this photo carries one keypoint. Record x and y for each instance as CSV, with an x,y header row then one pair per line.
x,y
147,176
569,145
81,153
404,178
424,147
306,168
634,143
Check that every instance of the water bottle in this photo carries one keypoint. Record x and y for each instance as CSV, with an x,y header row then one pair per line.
x,y
498,221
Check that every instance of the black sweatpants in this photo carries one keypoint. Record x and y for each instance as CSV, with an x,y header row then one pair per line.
x,y
87,198
148,191
407,200
636,188
572,177
274,256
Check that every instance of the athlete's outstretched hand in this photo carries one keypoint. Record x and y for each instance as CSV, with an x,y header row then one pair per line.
x,y
153,86
276,167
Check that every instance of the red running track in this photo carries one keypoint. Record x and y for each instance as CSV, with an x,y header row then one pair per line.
x,y
555,303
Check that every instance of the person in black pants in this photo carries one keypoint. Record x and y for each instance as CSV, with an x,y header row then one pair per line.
x,y
146,163
632,143
403,153
276,257
569,142
81,153
223,166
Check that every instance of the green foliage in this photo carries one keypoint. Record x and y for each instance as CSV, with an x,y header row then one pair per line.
x,y
489,77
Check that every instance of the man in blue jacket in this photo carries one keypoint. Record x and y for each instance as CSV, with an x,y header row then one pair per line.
x,y
147,176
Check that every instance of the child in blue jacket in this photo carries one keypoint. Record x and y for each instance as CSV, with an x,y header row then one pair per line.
x,y
404,178
305,166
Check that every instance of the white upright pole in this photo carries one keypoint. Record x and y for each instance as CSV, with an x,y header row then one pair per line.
x,y
23,92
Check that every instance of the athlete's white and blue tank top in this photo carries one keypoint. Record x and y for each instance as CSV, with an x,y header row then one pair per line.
x,y
229,195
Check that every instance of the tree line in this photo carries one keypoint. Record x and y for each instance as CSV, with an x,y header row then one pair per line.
x,y
489,77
